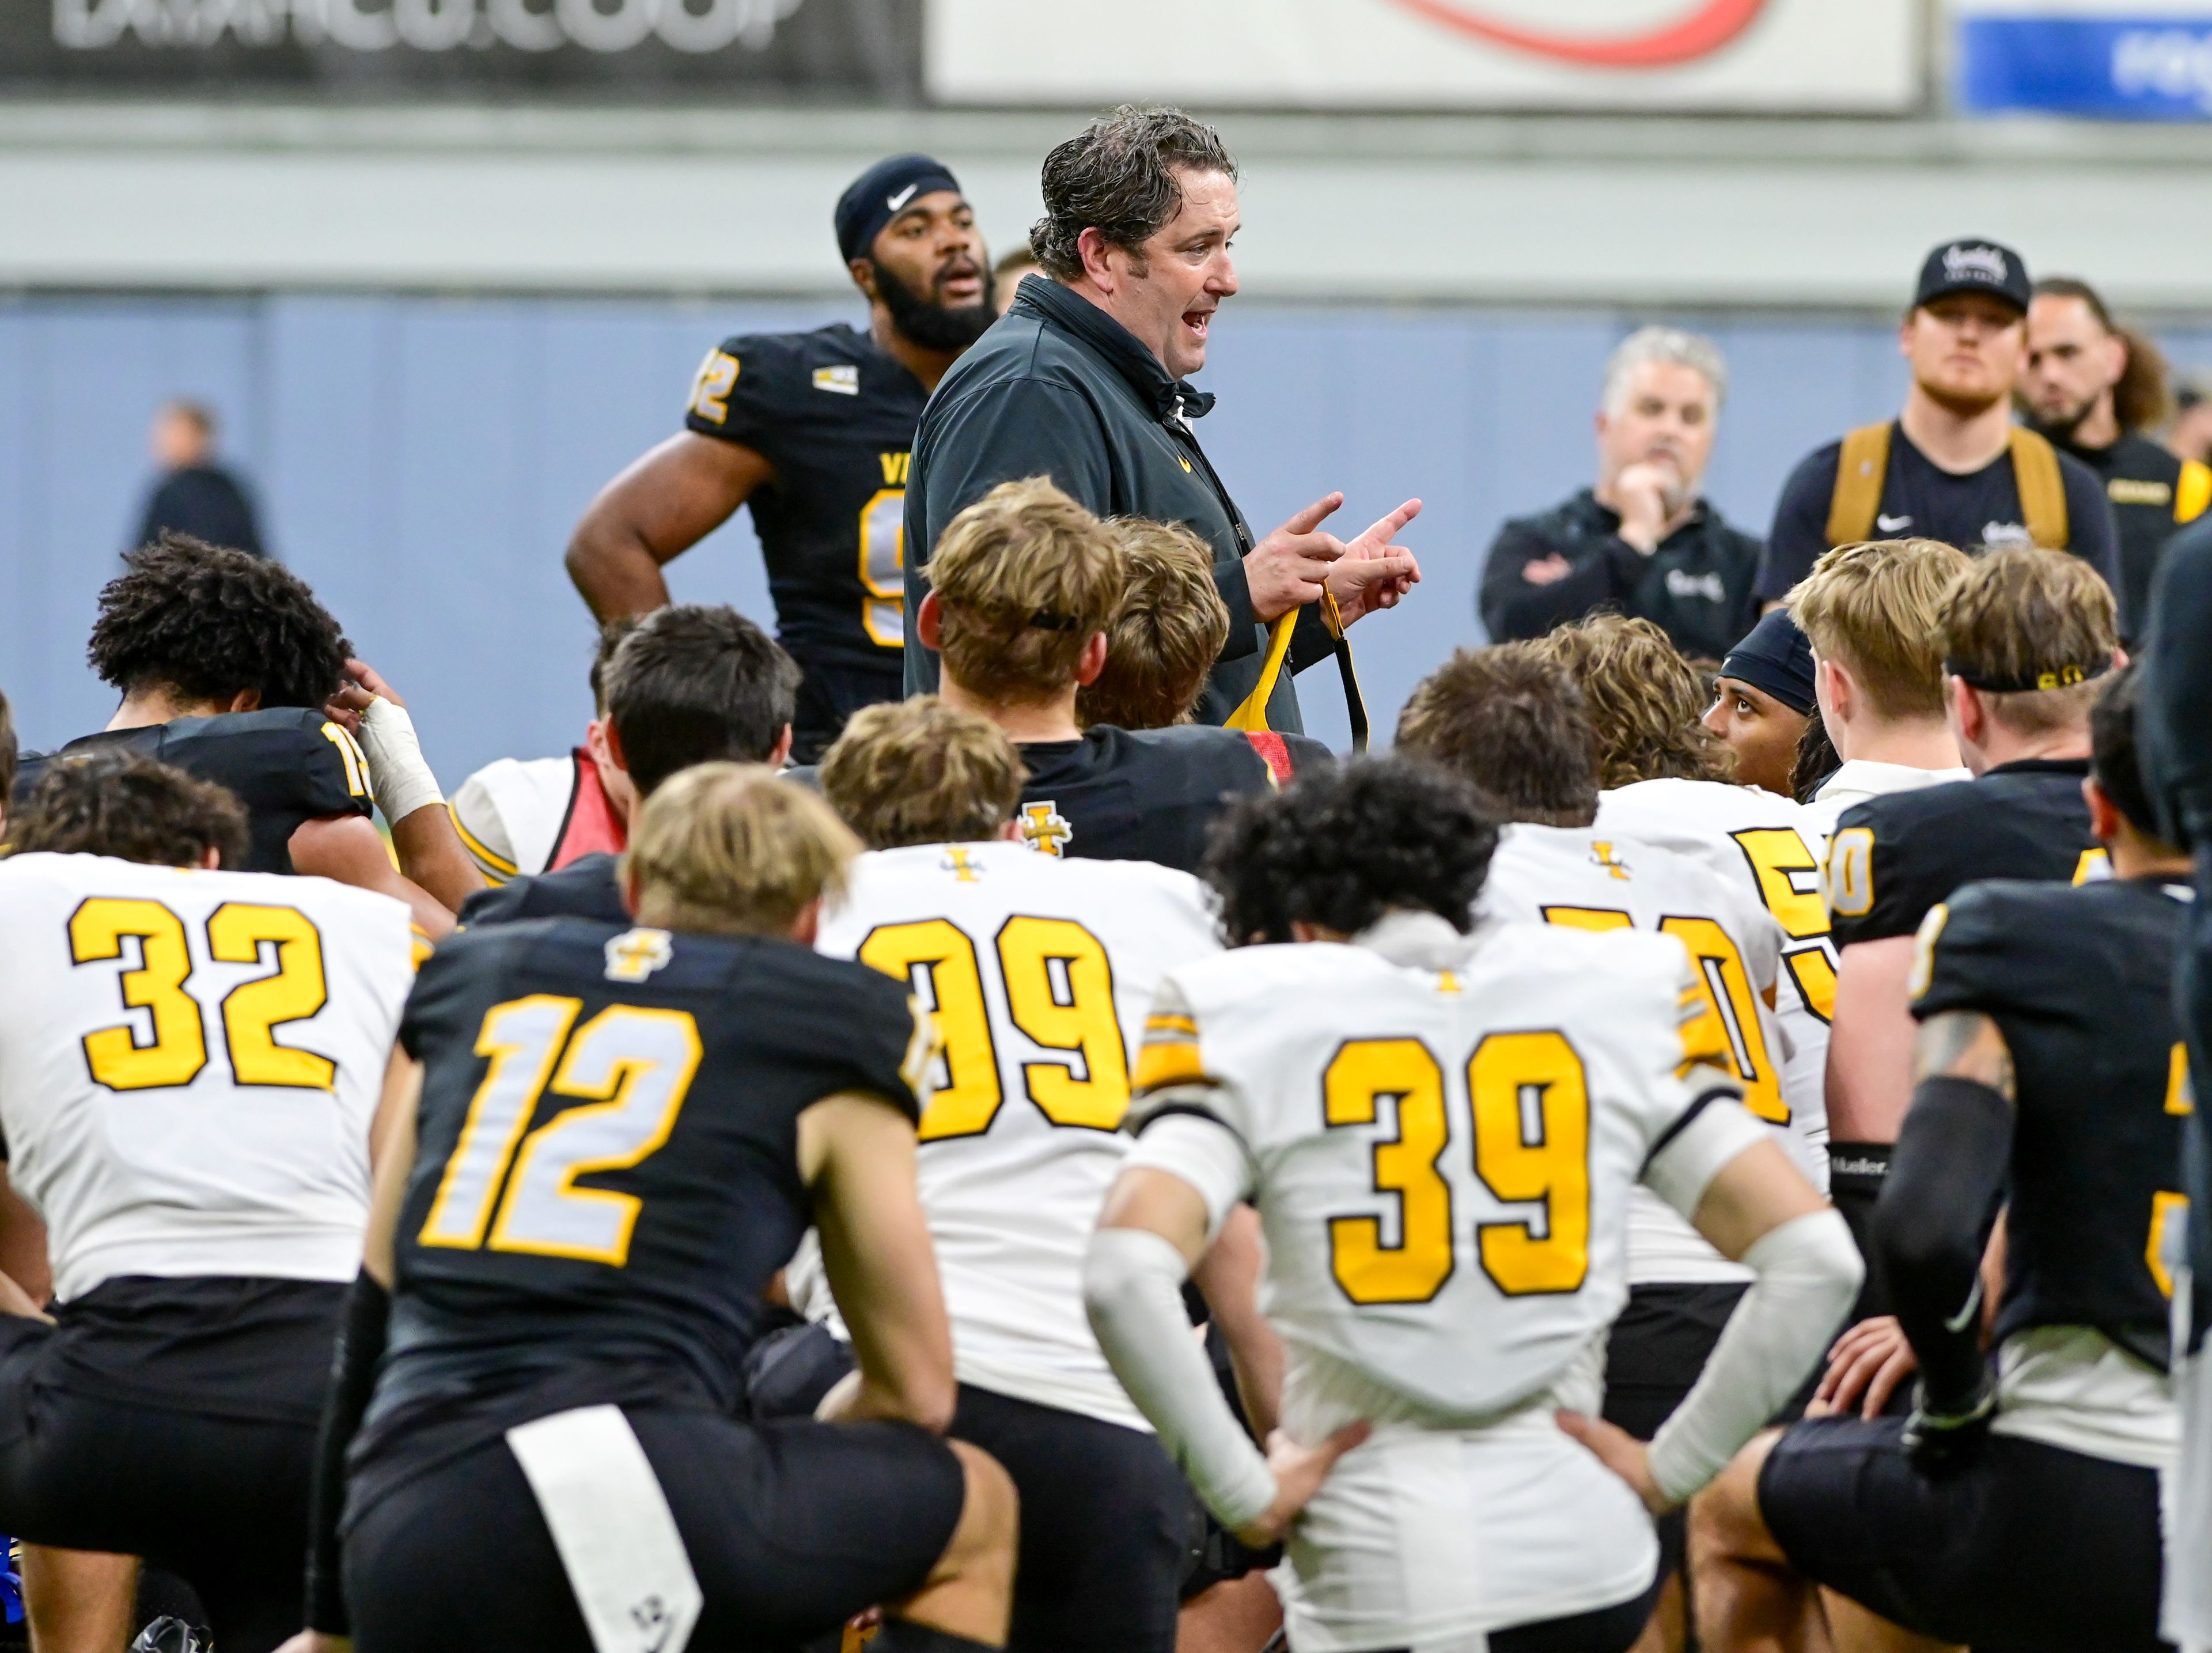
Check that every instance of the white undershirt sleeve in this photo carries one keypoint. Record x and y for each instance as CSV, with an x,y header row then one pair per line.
x,y
1202,1152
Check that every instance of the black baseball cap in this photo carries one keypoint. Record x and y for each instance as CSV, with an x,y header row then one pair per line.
x,y
1974,263
881,193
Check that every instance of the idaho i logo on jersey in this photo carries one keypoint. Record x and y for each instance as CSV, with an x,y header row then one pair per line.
x,y
1601,855
1044,828
963,866
635,954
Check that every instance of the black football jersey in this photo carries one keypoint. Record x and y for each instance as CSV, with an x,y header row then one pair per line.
x,y
836,417
1143,794
1894,857
288,765
2079,981
605,1174
586,888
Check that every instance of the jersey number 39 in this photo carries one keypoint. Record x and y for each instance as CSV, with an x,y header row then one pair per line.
x,y
1528,1100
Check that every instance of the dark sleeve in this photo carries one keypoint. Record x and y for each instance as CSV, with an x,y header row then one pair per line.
x,y
1800,533
362,1337
756,402
1947,1180
1307,755
328,785
1236,588
1311,640
1982,954
868,1036
434,1003
1512,608
2175,729
1884,875
501,903
2089,525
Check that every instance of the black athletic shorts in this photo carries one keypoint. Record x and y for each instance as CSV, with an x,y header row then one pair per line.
x,y
1659,1344
2025,1548
791,1527
829,693
1602,1630
1105,1526
174,1420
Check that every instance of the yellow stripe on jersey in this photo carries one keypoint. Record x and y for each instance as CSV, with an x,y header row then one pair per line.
x,y
1169,1061
419,945
493,866
1166,1022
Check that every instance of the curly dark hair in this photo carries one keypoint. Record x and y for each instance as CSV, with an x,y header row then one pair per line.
x,y
1341,846
125,805
1119,176
209,623
8,752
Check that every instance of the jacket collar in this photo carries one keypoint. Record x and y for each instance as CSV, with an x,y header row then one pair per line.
x,y
1586,502
1074,314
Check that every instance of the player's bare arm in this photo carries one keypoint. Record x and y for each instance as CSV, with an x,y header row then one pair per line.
x,y
857,1154
430,851
666,503
1229,1274
1871,1041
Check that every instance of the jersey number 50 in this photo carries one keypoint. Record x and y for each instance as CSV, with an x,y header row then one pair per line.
x,y
1528,1100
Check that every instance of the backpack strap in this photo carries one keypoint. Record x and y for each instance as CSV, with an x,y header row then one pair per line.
x,y
1860,469
2042,489
2193,492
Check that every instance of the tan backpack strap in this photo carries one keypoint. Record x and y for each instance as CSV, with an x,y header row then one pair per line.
x,y
2042,489
2193,492
1861,468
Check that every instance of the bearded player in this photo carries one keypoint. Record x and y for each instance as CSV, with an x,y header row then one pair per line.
x,y
812,431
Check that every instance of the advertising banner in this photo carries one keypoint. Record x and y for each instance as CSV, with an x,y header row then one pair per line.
x,y
1860,56
849,50
2103,59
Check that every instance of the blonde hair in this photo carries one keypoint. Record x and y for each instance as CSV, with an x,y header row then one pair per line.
x,y
1025,577
1645,701
2031,615
728,847
1872,607
1167,634
918,772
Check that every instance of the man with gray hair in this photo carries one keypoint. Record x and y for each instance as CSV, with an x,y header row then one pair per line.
x,y
1642,541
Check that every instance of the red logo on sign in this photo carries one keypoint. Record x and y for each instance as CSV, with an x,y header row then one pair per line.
x,y
1710,24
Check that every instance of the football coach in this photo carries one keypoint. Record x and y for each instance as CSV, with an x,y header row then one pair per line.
x,y
1085,380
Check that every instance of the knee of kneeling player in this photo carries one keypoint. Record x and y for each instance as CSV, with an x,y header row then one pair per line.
x,y
1725,1523
990,1515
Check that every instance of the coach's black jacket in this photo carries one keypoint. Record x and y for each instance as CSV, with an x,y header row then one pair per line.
x,y
1696,586
1058,388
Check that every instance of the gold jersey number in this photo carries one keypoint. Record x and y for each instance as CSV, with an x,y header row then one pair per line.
x,y
1059,991
1528,1101
104,928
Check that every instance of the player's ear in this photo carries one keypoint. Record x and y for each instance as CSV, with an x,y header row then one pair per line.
x,y
2103,816
210,859
245,700
808,924
632,887
929,622
614,744
863,272
1010,830
1092,661
781,753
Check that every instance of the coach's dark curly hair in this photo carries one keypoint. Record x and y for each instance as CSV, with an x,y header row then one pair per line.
x,y
1118,176
207,623
125,805
1341,846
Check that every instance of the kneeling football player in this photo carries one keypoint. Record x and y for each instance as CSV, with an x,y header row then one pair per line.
x,y
1439,1126
190,1060
2018,1507
611,1137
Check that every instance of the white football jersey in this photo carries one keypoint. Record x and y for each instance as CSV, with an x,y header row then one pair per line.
x,y
189,1062
1583,878
1441,1156
1040,971
1771,850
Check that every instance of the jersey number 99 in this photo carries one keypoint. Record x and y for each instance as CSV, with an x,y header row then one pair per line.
x,y
1059,991
1528,1101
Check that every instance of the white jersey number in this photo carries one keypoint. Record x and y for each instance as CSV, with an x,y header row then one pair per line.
x,y
1059,991
632,1065
1529,1101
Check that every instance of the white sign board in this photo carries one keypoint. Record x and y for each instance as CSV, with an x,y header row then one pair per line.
x,y
1770,55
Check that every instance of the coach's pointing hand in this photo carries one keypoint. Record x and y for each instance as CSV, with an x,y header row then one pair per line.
x,y
1289,566
1374,574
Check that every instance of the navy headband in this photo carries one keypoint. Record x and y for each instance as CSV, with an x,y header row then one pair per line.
x,y
881,193
1775,658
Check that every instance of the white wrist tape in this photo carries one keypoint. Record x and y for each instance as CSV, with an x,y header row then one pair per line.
x,y
1133,1287
399,780
1809,1271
